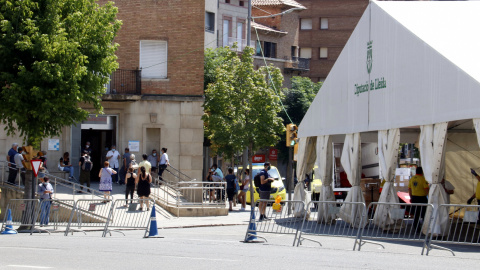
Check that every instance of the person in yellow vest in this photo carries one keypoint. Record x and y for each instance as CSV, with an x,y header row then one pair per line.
x,y
418,191
476,195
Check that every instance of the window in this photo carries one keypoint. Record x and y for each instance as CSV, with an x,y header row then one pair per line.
x,y
241,3
258,49
323,23
240,35
270,49
305,24
294,51
226,31
227,1
153,59
305,52
323,52
210,21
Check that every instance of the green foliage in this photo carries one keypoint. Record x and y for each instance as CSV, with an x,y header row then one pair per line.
x,y
214,58
54,56
241,107
296,100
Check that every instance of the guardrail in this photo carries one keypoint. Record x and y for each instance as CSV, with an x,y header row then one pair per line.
x,y
24,214
128,214
89,214
322,218
462,226
403,228
277,221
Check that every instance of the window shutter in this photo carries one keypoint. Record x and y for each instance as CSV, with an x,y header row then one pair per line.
x,y
153,59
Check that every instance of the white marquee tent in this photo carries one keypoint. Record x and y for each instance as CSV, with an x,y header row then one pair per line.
x,y
407,66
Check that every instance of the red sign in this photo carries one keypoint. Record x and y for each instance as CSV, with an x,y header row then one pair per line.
x,y
258,159
272,154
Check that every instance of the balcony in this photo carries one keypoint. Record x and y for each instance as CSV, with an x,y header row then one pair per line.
x,y
125,82
297,64
241,43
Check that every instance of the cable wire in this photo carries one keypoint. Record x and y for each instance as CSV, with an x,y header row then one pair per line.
x,y
270,77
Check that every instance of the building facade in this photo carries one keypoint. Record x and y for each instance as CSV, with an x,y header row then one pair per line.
x,y
277,37
155,98
325,26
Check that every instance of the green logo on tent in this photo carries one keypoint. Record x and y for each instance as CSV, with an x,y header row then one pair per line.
x,y
369,56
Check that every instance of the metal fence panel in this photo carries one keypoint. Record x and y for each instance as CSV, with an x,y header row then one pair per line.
x,y
54,215
462,226
323,219
129,214
405,224
89,213
278,221
24,214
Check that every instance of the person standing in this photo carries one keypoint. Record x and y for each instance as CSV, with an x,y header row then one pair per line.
x,y
84,174
448,187
265,187
105,175
87,149
45,190
64,165
143,187
231,187
130,180
20,163
12,169
113,156
154,159
163,163
418,191
476,195
145,163
242,197
217,176
125,165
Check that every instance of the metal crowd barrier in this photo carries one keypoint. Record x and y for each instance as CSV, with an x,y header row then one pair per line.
x,y
53,214
277,222
322,218
401,226
461,227
24,214
129,214
89,214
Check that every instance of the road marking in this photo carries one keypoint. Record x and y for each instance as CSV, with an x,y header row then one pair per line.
x,y
34,248
29,266
197,258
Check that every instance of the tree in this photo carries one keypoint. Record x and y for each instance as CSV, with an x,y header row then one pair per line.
x,y
296,100
54,56
241,106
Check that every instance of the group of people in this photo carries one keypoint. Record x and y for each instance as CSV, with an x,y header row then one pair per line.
x,y
234,187
129,175
16,163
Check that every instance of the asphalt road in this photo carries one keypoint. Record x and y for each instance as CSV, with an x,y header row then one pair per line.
x,y
214,248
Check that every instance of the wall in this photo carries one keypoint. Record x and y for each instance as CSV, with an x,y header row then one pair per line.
x,y
342,19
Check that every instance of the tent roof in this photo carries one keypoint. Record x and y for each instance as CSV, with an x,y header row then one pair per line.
x,y
424,69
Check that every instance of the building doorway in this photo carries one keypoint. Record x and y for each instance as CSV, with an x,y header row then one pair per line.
x,y
101,132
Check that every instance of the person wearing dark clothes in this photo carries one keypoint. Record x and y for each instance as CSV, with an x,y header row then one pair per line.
x,y
130,184
265,187
143,187
418,191
231,186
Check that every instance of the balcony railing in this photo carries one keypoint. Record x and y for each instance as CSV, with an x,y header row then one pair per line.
x,y
125,82
241,43
298,64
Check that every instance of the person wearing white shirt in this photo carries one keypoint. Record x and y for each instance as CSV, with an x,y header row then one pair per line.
x,y
164,162
113,156
46,191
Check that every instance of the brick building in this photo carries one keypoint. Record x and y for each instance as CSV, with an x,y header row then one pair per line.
x,y
278,36
155,98
325,27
